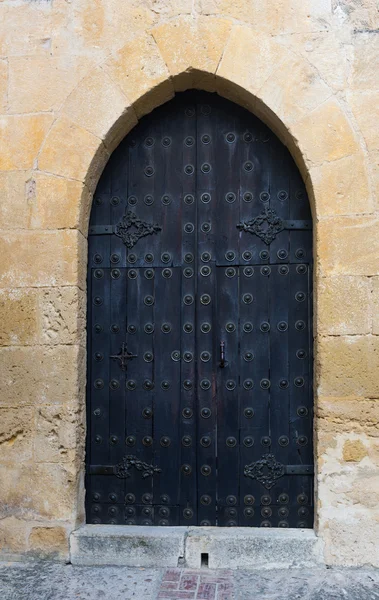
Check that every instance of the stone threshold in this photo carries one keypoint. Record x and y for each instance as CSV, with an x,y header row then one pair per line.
x,y
195,547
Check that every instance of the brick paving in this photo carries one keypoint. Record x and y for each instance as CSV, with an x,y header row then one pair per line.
x,y
181,584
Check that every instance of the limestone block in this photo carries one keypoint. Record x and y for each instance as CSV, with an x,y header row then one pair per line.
x,y
325,51
48,542
60,433
365,51
365,107
21,137
362,16
62,315
349,414
48,24
59,74
374,165
353,451
248,60
39,492
101,27
19,322
192,48
344,305
3,85
341,187
17,430
36,258
73,152
375,298
14,206
13,535
294,89
348,246
170,8
352,540
32,375
99,105
348,365
325,134
140,71
56,203
273,18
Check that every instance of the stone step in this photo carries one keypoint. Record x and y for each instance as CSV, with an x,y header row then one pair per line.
x,y
193,547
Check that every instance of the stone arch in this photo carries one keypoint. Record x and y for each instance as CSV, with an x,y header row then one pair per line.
x,y
237,62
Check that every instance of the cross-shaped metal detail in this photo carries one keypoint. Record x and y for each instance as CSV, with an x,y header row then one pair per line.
x,y
123,356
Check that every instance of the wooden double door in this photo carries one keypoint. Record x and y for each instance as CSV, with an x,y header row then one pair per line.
x,y
200,325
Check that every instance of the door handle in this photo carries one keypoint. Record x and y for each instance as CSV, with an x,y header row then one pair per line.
x,y
222,355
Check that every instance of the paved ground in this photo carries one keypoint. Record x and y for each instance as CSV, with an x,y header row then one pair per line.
x,y
46,581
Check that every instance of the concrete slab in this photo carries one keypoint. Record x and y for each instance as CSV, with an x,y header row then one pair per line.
x,y
251,548
219,548
127,545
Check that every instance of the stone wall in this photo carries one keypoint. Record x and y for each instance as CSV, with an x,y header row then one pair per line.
x,y
74,79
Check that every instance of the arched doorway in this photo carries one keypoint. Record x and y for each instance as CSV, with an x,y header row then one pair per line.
x,y
200,325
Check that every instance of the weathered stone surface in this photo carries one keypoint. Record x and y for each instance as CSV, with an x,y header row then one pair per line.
x,y
341,187
51,542
365,107
349,414
375,299
290,102
133,546
352,540
344,305
34,375
60,75
19,322
73,152
236,63
60,433
192,48
140,71
98,104
62,314
325,51
17,431
14,208
3,85
325,134
365,53
56,203
148,546
13,535
354,451
42,258
252,548
272,17
348,365
21,137
348,246
44,492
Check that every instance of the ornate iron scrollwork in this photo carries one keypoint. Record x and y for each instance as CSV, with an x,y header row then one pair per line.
x,y
266,471
121,470
130,229
123,356
266,225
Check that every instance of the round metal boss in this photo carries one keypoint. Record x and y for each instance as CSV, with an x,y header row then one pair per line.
x,y
205,441
149,328
148,199
189,199
248,441
206,138
230,197
205,327
205,198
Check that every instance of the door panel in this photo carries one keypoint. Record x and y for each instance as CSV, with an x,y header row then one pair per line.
x,y
200,241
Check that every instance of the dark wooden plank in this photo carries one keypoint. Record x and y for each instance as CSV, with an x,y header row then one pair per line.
x,y
228,410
